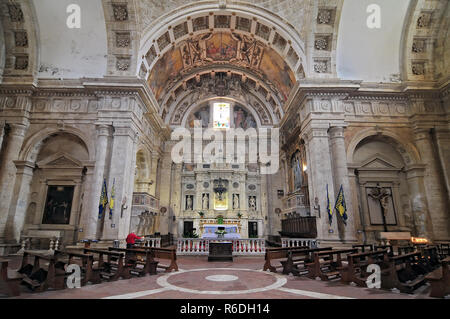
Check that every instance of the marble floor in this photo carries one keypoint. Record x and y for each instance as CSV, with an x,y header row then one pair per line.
x,y
243,279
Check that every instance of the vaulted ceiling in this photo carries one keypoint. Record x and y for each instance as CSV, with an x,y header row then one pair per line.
x,y
272,45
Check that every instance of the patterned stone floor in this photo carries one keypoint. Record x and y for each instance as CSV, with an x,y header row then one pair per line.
x,y
241,279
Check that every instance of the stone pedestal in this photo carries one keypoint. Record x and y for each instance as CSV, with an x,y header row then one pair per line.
x,y
220,251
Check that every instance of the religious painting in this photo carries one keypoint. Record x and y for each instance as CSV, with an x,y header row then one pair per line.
x,y
58,205
166,69
201,115
243,119
221,47
375,206
277,71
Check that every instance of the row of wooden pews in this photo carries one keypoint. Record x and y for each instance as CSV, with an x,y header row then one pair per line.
x,y
41,272
405,270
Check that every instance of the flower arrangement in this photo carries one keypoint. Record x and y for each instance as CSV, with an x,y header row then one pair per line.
x,y
201,214
239,215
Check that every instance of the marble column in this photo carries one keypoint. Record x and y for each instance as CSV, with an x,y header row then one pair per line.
x,y
14,141
340,174
93,185
320,171
165,186
176,203
122,159
440,220
19,202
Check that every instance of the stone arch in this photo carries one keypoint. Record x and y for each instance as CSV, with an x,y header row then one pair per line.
x,y
19,27
33,144
408,151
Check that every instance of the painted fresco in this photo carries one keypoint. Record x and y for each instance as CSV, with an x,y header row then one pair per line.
x,y
277,71
221,47
165,70
243,119
201,115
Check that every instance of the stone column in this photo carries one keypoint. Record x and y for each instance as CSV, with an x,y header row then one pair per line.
x,y
260,228
320,171
14,141
19,202
93,185
340,174
122,159
2,133
165,186
153,173
440,222
176,200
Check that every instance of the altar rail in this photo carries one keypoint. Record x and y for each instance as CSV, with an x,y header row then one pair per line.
x,y
241,247
152,242
297,242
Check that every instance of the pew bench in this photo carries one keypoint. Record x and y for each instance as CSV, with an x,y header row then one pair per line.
x,y
390,249
364,247
400,273
169,254
39,278
113,268
430,255
85,261
277,254
355,270
326,263
9,280
439,280
140,261
299,257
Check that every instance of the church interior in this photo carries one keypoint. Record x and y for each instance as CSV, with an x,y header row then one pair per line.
x,y
273,149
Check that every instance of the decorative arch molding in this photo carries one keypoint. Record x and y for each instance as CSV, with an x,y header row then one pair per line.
x,y
19,27
408,151
33,144
423,25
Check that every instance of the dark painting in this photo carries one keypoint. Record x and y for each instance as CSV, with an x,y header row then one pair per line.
x,y
58,205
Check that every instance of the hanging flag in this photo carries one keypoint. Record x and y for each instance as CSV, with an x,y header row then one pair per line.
x,y
329,208
111,202
340,205
103,200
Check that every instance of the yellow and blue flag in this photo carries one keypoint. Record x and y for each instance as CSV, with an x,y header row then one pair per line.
x,y
111,202
329,208
340,205
103,200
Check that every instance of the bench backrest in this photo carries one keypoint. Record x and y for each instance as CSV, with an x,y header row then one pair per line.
x,y
363,247
276,253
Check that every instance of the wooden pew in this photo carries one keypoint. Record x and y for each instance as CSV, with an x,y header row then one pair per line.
x,y
325,265
133,259
299,257
86,262
276,254
165,254
403,250
53,275
113,268
444,250
440,280
355,270
388,247
400,274
364,247
9,280
430,255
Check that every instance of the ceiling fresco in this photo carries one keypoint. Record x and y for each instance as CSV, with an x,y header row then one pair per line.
x,y
222,48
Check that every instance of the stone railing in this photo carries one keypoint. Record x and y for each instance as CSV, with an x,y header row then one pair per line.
x,y
27,243
241,247
152,242
297,242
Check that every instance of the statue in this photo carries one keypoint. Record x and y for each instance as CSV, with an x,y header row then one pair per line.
x,y
252,203
189,203
205,201
235,201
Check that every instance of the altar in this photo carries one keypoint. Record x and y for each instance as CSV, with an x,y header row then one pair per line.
x,y
231,231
